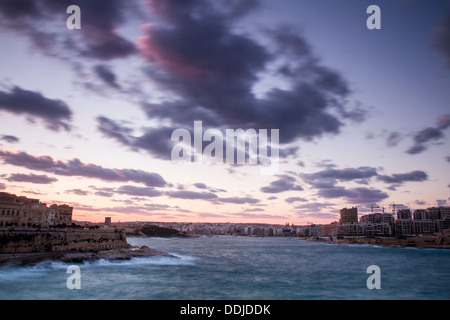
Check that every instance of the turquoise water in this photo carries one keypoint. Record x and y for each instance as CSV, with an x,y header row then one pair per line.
x,y
242,268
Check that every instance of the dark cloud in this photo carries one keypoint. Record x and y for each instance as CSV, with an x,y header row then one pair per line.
x,y
78,192
114,130
193,195
77,168
442,39
32,178
238,200
139,191
420,202
195,56
330,176
107,75
98,37
156,141
9,138
200,185
399,178
354,195
393,139
54,112
431,134
2,186
312,208
283,183
295,199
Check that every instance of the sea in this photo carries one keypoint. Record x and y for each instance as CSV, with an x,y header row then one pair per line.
x,y
241,268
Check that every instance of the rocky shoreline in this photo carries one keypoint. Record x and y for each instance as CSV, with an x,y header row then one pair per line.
x,y
426,242
79,257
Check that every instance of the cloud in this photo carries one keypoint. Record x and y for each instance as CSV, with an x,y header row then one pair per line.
x,y
10,139
325,181
430,134
442,39
2,186
78,192
156,141
393,139
32,178
354,195
97,39
294,199
420,202
139,191
54,112
238,200
347,174
75,167
210,72
282,184
416,175
192,195
106,75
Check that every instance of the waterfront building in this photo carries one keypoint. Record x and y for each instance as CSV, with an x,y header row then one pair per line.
x,y
433,213
445,216
420,214
404,227
423,226
349,215
381,229
352,229
404,214
19,211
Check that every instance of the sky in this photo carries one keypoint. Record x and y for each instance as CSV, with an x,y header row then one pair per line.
x,y
87,115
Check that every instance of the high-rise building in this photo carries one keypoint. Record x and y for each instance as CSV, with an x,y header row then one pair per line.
x,y
404,214
433,213
349,215
420,214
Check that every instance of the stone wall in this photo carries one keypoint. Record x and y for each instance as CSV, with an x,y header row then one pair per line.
x,y
51,240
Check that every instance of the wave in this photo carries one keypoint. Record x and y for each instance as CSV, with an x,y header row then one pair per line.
x,y
154,260
8,274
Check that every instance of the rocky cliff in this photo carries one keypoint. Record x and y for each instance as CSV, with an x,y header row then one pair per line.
x,y
52,240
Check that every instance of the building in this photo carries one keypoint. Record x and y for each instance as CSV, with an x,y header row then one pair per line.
x,y
349,215
404,227
423,226
404,214
445,217
433,213
352,229
19,211
381,229
420,214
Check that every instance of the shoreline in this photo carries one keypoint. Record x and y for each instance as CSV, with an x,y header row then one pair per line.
x,y
412,242
79,257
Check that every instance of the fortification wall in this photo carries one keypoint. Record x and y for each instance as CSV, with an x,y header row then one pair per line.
x,y
50,240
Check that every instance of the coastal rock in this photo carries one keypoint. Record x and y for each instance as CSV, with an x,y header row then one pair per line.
x,y
78,257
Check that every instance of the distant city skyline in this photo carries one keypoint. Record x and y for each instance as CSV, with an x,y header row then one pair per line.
x,y
363,115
